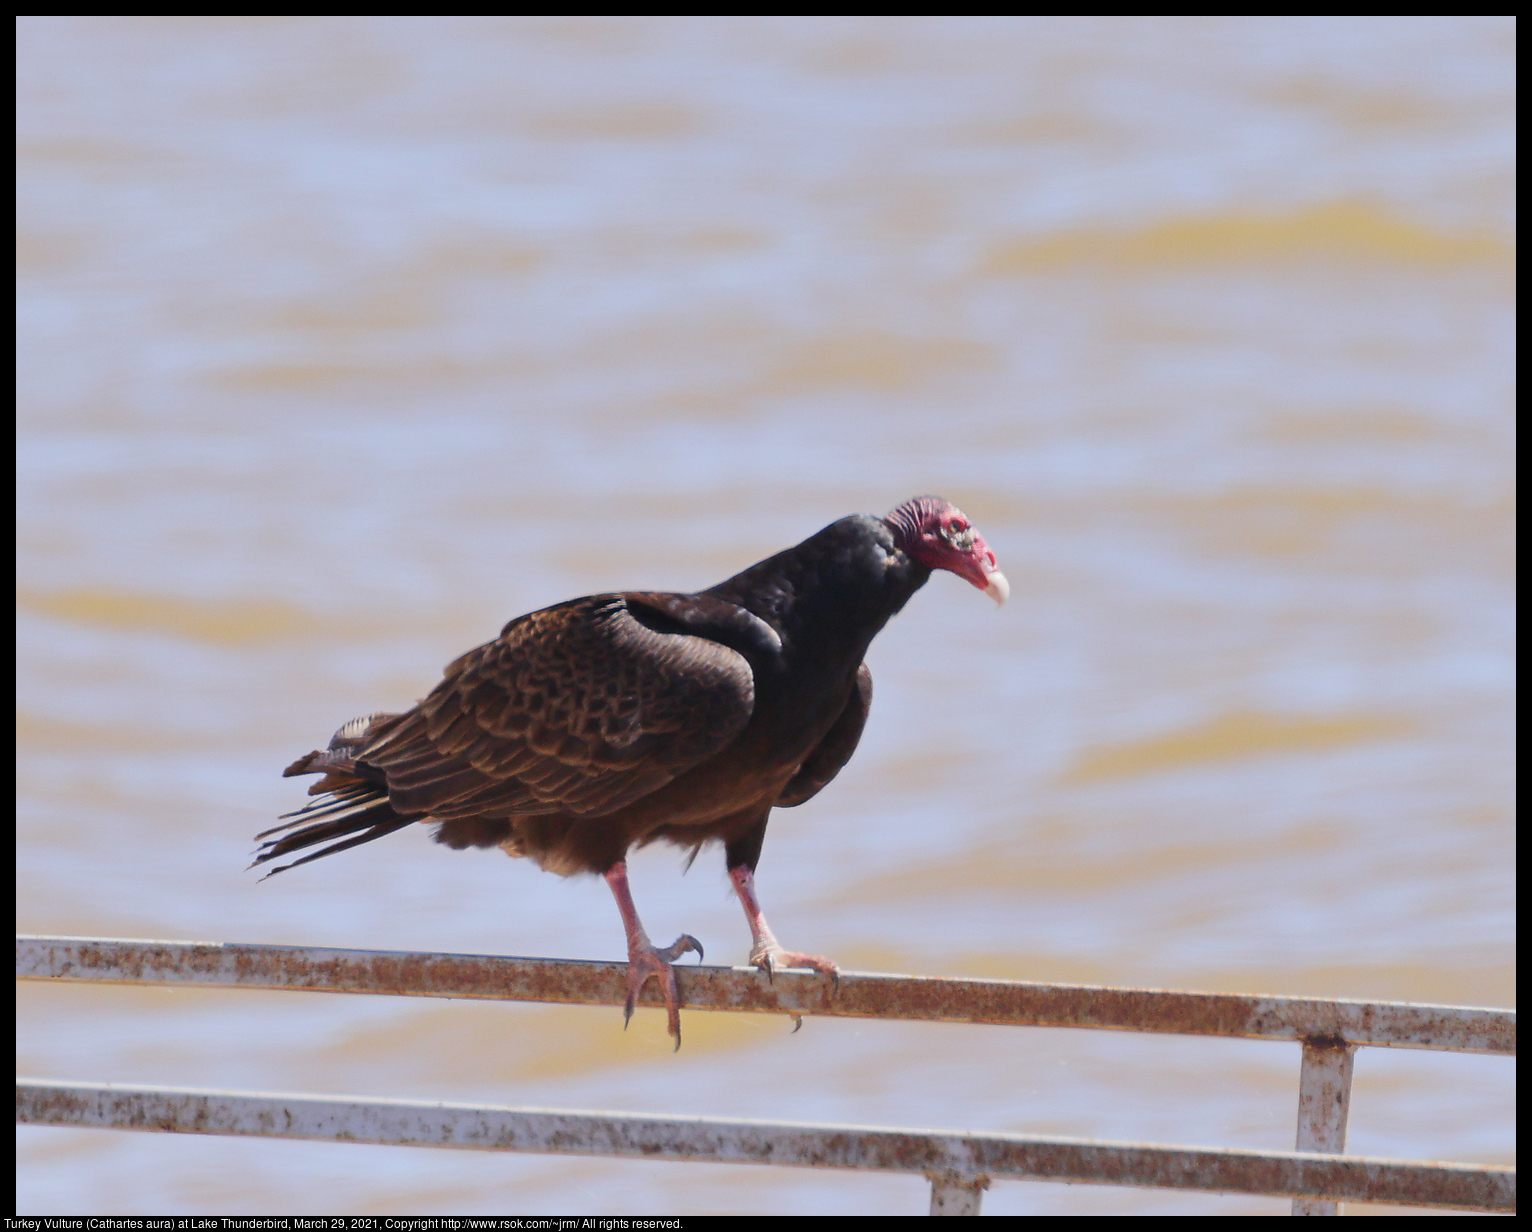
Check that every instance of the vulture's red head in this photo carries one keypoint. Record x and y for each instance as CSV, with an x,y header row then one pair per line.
x,y
940,536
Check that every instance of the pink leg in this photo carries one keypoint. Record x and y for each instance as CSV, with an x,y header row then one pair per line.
x,y
644,961
765,951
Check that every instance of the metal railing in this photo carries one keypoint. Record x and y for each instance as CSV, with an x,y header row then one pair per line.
x,y
1317,1175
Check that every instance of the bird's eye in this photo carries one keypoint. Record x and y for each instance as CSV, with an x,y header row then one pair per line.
x,y
958,534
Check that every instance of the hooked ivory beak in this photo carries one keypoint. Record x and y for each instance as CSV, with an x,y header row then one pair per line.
x,y
998,589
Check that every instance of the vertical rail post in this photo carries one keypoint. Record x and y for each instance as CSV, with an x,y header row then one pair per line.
x,y
1324,1102
953,1193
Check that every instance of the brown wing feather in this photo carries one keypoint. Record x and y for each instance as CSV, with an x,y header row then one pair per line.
x,y
834,751
580,708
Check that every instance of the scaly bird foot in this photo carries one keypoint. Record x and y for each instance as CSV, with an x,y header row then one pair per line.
x,y
648,963
773,958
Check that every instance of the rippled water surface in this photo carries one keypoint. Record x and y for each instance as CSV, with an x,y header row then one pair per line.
x,y
343,340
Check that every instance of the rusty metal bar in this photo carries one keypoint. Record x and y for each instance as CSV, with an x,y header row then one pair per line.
x,y
212,964
1324,1103
955,1194
546,1131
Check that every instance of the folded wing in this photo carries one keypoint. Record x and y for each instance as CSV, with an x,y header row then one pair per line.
x,y
834,751
581,708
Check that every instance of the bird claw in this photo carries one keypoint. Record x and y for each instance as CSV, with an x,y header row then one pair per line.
x,y
774,958
681,945
797,1023
647,963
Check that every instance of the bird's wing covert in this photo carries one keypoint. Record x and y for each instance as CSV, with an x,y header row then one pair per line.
x,y
580,708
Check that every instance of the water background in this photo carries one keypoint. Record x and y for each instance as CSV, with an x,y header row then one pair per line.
x,y
345,339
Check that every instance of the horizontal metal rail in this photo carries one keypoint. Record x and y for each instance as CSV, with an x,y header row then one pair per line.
x,y
211,964
953,1160
959,1166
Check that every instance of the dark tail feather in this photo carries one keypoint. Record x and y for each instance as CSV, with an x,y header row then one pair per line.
x,y
351,803
362,810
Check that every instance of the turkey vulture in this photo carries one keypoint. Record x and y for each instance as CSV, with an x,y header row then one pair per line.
x,y
620,719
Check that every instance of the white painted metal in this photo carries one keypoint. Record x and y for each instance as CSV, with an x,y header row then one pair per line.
x,y
1324,1104
974,1157
952,1194
860,994
1317,1175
